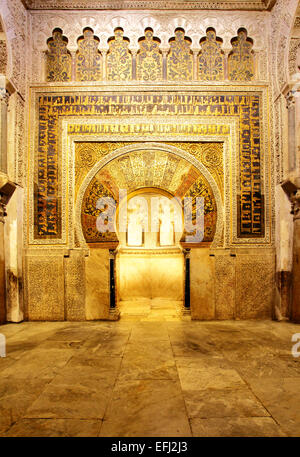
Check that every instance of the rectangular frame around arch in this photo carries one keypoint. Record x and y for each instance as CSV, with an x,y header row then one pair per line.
x,y
49,110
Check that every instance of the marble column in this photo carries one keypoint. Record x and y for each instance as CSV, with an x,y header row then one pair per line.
x,y
292,140
112,281
195,63
7,188
114,312
292,189
187,280
134,57
296,255
2,264
73,55
165,64
4,97
104,55
291,186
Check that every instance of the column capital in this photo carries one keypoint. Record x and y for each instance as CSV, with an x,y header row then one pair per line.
x,y
290,98
134,51
292,189
295,201
3,213
4,95
7,188
186,251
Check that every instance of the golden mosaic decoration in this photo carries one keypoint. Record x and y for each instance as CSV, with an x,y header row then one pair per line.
x,y
149,58
201,188
241,59
210,155
143,168
90,213
58,58
244,107
88,58
180,58
211,58
119,58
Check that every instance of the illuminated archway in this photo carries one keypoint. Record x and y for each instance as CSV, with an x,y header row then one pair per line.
x,y
113,173
136,169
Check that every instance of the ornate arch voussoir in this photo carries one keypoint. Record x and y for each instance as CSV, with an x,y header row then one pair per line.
x,y
153,146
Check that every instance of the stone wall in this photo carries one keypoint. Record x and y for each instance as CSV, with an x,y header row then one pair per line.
x,y
67,285
282,60
225,284
97,284
134,23
236,284
156,275
14,257
14,21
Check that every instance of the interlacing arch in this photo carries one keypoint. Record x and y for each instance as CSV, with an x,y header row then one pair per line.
x,y
150,63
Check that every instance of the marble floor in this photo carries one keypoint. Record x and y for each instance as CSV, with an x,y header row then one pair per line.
x,y
139,377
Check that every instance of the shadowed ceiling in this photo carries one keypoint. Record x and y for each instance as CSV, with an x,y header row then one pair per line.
x,y
257,5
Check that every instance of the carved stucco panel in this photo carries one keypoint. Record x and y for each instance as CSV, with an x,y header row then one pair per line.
x,y
134,23
293,55
14,18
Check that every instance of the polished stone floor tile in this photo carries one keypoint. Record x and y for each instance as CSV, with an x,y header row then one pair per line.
x,y
144,378
148,369
54,428
71,334
148,348
5,362
68,397
148,360
192,346
113,346
38,363
16,395
10,330
199,377
145,331
216,403
146,408
236,427
281,396
273,366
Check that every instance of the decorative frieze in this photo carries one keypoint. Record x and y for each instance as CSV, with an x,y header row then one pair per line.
x,y
3,57
258,5
124,62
